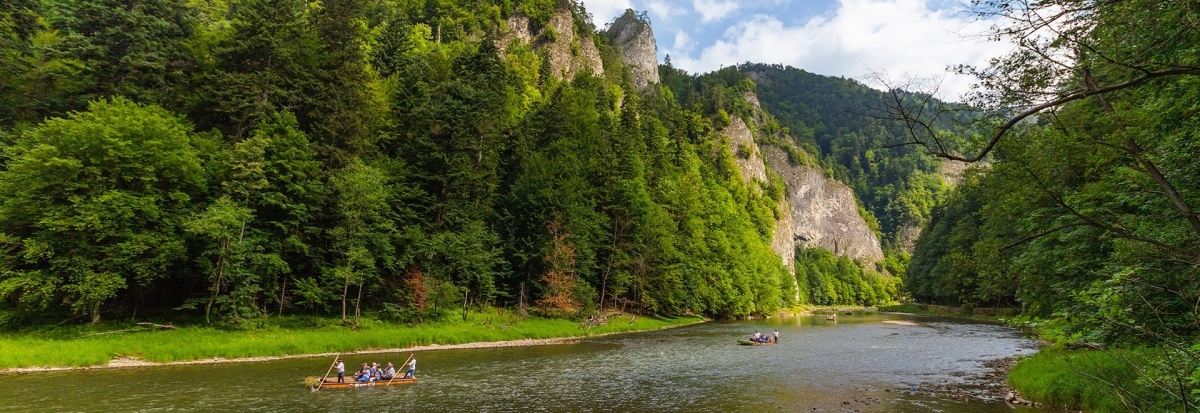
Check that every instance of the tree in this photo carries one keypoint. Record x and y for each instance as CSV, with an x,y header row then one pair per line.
x,y
95,202
559,281
362,238
224,223
131,48
265,65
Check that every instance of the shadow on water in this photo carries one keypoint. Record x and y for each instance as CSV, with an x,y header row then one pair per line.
x,y
865,362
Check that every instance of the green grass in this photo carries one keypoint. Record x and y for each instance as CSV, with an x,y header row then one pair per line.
x,y
68,347
1096,381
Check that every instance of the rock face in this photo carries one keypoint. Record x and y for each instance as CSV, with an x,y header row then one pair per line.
x,y
745,152
824,211
569,54
753,171
784,242
634,38
817,212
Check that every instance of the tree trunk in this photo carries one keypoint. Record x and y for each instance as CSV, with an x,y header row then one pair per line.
x,y
95,313
466,294
282,295
358,301
216,287
345,292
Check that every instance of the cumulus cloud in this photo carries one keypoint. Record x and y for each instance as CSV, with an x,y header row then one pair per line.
x,y
683,43
665,10
605,11
713,10
899,37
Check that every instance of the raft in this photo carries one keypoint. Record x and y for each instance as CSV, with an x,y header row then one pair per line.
x,y
331,383
754,343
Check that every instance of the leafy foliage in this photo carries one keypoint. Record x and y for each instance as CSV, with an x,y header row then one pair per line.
x,y
245,159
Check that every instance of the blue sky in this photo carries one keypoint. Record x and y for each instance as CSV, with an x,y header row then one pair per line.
x,y
849,38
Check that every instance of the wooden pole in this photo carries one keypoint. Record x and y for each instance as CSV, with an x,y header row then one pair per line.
x,y
322,383
398,373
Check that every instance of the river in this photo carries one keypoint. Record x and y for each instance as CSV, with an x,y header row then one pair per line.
x,y
866,362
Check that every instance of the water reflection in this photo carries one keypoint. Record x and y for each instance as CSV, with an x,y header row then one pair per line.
x,y
860,362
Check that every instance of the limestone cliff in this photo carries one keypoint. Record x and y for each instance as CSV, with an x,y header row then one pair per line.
x,y
634,38
745,152
824,211
817,211
569,53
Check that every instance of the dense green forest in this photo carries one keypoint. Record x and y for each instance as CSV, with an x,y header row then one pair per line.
x,y
1085,213
235,160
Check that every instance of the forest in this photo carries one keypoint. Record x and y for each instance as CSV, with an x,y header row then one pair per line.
x,y
1081,206
231,161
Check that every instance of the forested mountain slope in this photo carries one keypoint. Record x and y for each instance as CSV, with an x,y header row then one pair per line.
x,y
236,160
232,161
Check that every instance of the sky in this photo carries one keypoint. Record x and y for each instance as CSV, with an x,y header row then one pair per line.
x,y
847,38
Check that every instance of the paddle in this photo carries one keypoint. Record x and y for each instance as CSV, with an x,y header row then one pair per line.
x,y
322,383
394,374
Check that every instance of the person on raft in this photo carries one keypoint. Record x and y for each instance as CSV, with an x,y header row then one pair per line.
x,y
341,369
412,368
364,374
388,373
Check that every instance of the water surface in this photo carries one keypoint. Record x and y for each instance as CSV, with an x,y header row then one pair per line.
x,y
859,363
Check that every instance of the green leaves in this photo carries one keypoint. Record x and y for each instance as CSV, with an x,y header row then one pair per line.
x,y
97,199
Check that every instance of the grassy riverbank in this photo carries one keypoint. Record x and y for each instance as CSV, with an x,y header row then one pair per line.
x,y
83,347
1096,381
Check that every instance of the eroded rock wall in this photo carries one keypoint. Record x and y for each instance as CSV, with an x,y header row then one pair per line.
x,y
635,39
569,53
824,211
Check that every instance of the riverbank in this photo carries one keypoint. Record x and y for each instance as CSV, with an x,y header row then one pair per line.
x,y
981,313
33,352
1102,380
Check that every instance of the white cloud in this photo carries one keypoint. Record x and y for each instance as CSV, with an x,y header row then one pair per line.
x,y
683,43
605,11
899,37
665,10
713,10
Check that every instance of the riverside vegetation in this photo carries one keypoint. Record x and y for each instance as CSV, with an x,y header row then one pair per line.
x,y
238,164
83,346
1084,212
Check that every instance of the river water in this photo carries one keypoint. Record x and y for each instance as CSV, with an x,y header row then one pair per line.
x,y
866,362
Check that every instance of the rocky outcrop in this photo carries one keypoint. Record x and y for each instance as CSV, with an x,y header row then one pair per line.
x,y
745,152
569,53
952,171
824,211
784,242
817,212
632,35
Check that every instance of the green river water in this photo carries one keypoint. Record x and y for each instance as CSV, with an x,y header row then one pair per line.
x,y
865,362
